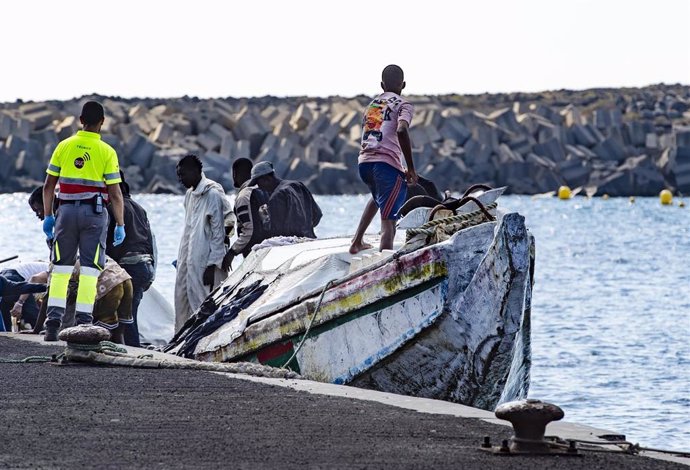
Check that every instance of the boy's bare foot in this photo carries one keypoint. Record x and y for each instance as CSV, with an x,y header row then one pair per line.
x,y
356,247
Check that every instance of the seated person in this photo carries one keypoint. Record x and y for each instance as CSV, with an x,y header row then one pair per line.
x,y
15,281
113,307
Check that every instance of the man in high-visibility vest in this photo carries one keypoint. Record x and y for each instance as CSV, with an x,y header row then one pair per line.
x,y
88,172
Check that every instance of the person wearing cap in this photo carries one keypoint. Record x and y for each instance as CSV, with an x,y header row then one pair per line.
x,y
88,172
251,228
202,247
291,206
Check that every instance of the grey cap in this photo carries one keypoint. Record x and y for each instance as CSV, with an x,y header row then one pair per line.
x,y
260,169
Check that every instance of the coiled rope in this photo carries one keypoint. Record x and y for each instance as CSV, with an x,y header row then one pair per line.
x,y
461,221
28,360
109,353
103,346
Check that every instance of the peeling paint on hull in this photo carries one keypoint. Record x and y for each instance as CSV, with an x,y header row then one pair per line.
x,y
478,352
449,321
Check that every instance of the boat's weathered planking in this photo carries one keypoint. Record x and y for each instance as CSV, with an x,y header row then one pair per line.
x,y
466,356
337,353
342,302
448,321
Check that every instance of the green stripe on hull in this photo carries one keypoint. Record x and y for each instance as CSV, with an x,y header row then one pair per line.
x,y
379,305
279,361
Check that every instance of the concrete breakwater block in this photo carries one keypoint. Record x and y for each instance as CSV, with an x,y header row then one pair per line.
x,y
531,142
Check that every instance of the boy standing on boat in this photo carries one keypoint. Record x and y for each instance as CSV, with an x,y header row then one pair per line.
x,y
385,142
88,172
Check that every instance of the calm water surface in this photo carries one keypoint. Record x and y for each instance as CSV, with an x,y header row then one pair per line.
x,y
611,308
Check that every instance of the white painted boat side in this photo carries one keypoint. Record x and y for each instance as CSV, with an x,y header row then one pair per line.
x,y
339,354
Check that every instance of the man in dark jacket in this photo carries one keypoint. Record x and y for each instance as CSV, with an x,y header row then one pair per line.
x,y
251,228
135,255
291,206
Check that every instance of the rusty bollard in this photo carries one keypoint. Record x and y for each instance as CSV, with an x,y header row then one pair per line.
x,y
529,419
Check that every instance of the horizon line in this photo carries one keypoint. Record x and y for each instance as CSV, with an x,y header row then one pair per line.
x,y
437,94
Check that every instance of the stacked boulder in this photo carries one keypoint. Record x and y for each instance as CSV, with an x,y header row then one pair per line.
x,y
620,142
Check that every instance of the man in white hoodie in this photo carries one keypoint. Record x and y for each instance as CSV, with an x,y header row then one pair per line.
x,y
203,243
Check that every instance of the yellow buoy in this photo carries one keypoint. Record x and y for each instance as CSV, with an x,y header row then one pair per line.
x,y
632,199
665,197
564,192
604,196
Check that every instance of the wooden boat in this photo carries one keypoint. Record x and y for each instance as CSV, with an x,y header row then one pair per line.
x,y
445,316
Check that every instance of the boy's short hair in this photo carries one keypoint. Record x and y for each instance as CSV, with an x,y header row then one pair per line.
x,y
393,76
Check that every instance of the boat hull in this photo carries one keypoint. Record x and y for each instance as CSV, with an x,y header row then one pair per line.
x,y
449,321
478,352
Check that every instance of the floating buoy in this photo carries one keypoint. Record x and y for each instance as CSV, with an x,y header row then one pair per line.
x,y
604,196
665,197
564,192
681,204
632,199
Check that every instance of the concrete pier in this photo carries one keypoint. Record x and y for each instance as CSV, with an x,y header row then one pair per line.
x,y
82,416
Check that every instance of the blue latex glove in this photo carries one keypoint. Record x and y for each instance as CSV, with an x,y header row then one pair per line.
x,y
119,235
48,226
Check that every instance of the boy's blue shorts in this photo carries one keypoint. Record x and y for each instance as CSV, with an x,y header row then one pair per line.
x,y
387,185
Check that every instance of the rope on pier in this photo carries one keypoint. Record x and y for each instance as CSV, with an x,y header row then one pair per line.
x,y
108,353
624,447
114,356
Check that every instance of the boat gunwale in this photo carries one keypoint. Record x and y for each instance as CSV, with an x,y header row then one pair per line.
x,y
371,280
432,254
353,275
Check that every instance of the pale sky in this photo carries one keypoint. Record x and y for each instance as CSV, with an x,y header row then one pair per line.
x,y
212,48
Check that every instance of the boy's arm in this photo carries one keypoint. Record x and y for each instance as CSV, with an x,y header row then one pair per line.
x,y
406,147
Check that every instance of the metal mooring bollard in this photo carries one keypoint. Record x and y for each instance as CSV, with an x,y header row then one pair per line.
x,y
84,334
529,419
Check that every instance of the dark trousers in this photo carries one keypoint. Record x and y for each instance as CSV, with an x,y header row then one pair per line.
x,y
142,276
29,310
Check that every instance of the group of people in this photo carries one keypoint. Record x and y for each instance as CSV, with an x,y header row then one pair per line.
x,y
266,206
102,245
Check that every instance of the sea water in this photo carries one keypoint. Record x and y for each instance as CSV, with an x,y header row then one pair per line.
x,y
611,305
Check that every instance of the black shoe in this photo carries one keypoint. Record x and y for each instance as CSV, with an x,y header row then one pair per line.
x,y
51,334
